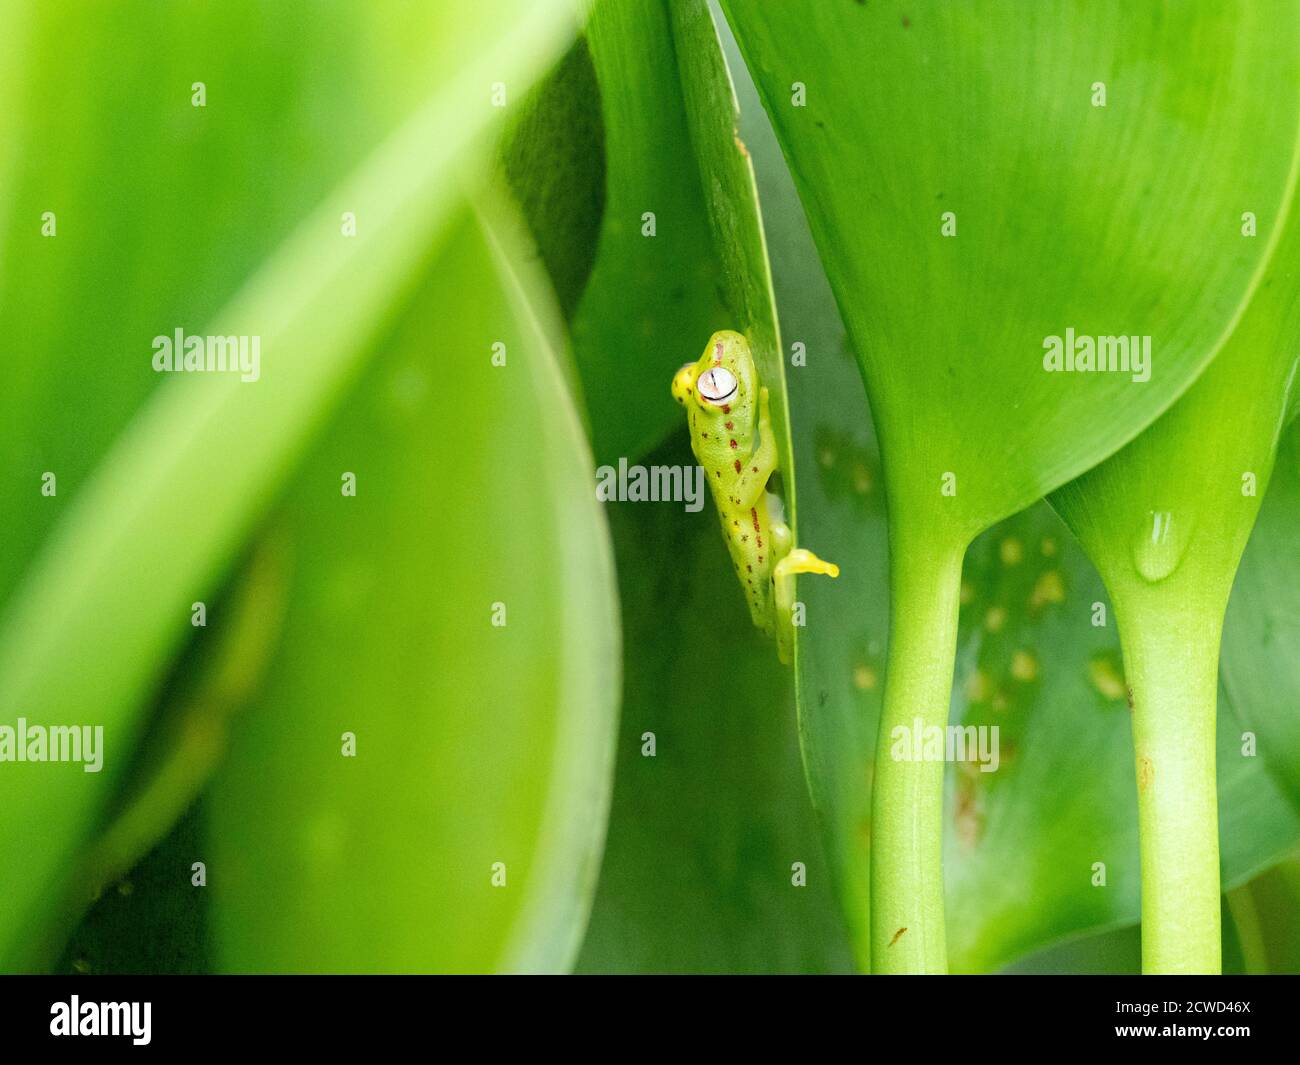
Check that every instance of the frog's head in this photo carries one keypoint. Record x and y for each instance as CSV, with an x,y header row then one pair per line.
x,y
722,381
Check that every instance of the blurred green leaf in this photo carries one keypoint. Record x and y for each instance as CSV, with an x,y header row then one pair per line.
x,y
197,466
1266,913
185,741
163,210
554,163
151,921
1114,952
476,743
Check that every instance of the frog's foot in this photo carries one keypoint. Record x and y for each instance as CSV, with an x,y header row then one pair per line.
x,y
801,560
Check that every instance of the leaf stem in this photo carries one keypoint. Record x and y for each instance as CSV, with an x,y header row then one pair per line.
x,y
907,911
1171,654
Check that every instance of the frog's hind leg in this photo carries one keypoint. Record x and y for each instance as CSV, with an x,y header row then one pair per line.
x,y
796,560
752,474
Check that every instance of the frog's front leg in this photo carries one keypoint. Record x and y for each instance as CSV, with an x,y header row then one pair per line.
x,y
795,560
754,473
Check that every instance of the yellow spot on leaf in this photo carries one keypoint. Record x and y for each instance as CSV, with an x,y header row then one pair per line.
x,y
861,479
1048,589
1106,678
1024,666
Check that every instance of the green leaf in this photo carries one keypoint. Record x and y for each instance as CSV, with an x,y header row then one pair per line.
x,y
1265,914
1020,843
1261,636
184,743
554,163
652,301
476,743
720,802
698,872
202,460
727,181
151,921
840,663
932,107
1100,231
1165,521
738,250
162,210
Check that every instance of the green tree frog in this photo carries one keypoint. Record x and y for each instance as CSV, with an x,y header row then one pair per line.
x,y
731,435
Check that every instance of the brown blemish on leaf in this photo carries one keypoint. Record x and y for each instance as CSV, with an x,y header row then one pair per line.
x,y
966,815
1128,692
1146,774
1106,677
897,935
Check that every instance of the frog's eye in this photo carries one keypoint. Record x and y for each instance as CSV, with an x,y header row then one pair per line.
x,y
717,384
